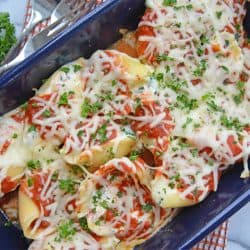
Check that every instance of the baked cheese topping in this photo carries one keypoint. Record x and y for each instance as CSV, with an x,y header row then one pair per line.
x,y
110,147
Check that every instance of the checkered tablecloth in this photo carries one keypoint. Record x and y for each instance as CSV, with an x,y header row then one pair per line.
x,y
215,240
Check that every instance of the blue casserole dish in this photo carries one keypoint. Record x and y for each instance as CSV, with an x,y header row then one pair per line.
x,y
98,30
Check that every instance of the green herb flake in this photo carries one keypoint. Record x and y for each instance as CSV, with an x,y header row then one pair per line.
x,y
119,194
101,134
225,69
114,82
201,68
24,106
184,102
46,113
15,135
187,122
87,108
218,14
213,106
200,51
203,39
30,182
65,69
231,123
80,133
32,128
169,2
97,196
240,96
171,185
164,58
104,204
54,176
134,155
111,153
63,100
32,165
147,207
68,185
84,223
66,231
76,67
194,152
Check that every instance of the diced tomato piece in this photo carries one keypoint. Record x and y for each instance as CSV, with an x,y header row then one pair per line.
x,y
8,185
4,147
235,149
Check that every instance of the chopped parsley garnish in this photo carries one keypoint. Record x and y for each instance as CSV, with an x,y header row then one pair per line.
x,y
63,100
213,106
64,69
171,185
237,27
15,135
30,182
87,108
84,223
210,162
66,231
200,51
46,113
208,96
111,153
76,67
119,194
147,207
159,77
80,133
231,123
226,70
114,82
184,102
187,122
183,144
194,152
68,185
77,170
169,2
203,39
24,106
98,222
240,96
173,84
197,125
218,14
104,204
97,196
54,176
176,177
101,134
32,165
134,155
188,7
164,58
108,96
32,128
201,68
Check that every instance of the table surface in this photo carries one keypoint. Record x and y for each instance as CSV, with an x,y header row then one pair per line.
x,y
239,224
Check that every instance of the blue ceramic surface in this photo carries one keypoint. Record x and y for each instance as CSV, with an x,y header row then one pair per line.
x,y
95,31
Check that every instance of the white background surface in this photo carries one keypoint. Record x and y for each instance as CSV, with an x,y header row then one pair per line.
x,y
239,224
